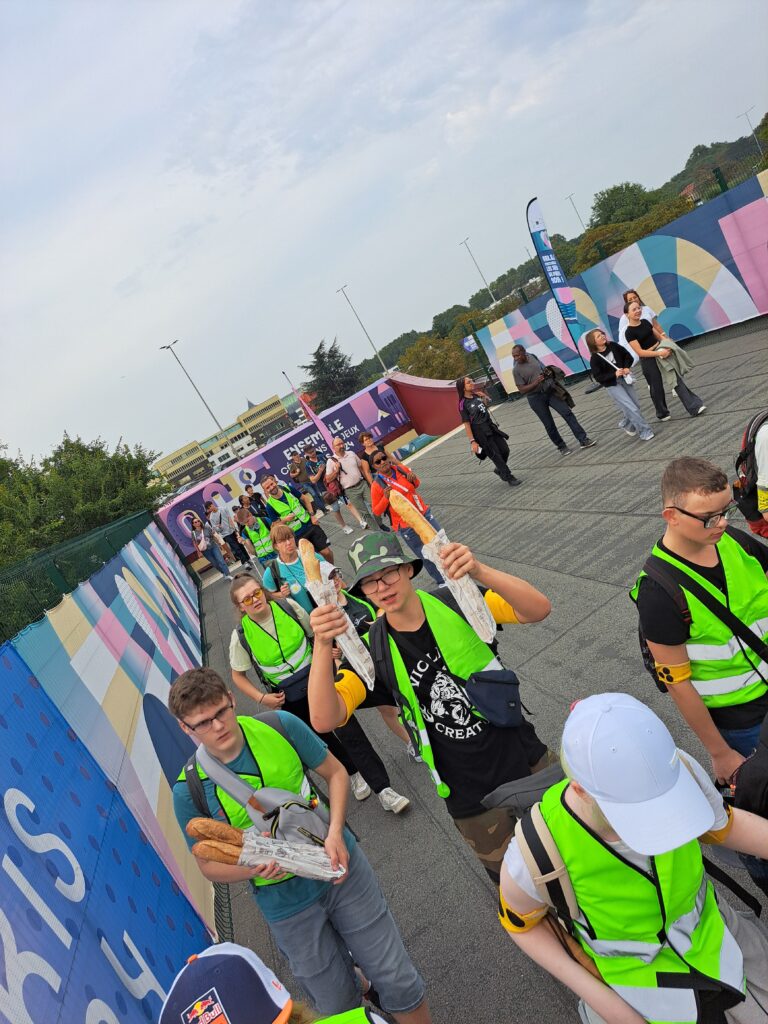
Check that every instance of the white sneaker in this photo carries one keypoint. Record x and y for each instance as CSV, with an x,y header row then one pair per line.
x,y
623,422
392,801
413,752
363,524
647,435
347,529
700,410
360,788
629,429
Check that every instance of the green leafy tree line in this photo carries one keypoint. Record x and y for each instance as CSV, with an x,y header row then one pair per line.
x,y
78,487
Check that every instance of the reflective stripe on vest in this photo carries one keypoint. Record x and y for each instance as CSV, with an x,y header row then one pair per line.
x,y
464,653
639,927
724,671
290,504
262,545
281,657
280,766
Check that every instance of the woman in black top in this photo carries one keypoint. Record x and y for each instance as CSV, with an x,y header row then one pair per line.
x,y
644,343
486,437
611,367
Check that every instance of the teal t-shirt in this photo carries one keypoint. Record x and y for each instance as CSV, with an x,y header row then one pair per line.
x,y
287,898
293,574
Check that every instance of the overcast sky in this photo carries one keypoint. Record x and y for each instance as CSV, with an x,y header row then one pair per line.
x,y
213,171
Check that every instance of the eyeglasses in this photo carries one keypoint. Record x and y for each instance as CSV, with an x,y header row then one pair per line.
x,y
387,578
206,723
710,521
334,574
250,599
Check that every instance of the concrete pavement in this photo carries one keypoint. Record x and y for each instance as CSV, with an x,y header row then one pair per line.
x,y
579,529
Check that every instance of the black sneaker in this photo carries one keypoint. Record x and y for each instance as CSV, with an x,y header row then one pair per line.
x,y
565,450
589,443
513,481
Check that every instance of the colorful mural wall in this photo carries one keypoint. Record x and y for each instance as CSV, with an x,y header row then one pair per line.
x,y
376,409
100,901
702,271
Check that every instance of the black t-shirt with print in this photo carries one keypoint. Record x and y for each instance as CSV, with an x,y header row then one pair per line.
x,y
663,623
472,756
359,613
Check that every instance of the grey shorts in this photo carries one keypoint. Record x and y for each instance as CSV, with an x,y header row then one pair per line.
x,y
351,923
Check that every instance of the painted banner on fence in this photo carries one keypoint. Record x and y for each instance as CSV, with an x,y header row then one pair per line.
x,y
93,927
375,409
705,270
109,650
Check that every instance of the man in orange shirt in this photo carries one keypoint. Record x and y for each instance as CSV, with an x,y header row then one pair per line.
x,y
389,476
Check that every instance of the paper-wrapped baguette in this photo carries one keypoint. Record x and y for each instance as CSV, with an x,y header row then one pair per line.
x,y
222,853
412,517
207,828
309,561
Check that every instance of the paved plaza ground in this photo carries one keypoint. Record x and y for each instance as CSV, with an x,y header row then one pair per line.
x,y
579,528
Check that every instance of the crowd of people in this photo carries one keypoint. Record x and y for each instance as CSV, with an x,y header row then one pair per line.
x,y
595,851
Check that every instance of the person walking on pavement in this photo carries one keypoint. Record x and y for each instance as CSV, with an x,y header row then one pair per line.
x,y
322,928
389,476
316,472
644,937
354,477
299,472
283,504
223,523
424,651
537,386
256,500
649,348
486,438
256,532
274,639
206,546
611,368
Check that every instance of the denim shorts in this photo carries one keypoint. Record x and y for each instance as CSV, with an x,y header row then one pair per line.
x,y
350,924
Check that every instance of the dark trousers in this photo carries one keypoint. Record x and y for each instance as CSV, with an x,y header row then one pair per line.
x,y
497,450
349,744
653,374
542,403
236,547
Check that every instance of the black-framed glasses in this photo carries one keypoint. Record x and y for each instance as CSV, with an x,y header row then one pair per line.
x,y
206,723
380,462
387,578
710,521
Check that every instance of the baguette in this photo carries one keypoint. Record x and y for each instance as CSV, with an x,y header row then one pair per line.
x,y
222,853
412,517
207,828
309,561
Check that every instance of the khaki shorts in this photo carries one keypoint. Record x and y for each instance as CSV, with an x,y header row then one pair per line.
x,y
488,836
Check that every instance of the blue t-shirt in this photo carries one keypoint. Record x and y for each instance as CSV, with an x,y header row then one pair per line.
x,y
294,575
287,898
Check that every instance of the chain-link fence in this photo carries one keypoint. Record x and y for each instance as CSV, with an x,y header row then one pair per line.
x,y
28,589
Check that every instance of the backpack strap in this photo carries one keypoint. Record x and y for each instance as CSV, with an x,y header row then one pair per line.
x,y
195,787
546,866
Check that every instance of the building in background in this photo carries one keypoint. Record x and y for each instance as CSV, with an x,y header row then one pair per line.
x,y
252,429
293,408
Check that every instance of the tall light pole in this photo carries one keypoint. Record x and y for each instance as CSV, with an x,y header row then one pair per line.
x,y
170,348
465,243
583,225
751,128
370,339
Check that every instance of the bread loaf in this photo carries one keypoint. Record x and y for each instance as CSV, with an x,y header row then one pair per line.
x,y
222,853
309,561
207,828
412,517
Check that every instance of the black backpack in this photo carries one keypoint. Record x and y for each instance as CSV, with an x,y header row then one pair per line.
x,y
745,485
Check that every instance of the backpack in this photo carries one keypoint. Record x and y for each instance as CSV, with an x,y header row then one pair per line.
x,y
745,486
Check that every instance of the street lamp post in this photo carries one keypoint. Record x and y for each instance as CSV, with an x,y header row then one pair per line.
x,y
170,348
465,243
751,128
583,225
370,339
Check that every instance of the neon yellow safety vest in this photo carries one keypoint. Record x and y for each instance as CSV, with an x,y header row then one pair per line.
x,y
358,1016
280,767
639,928
259,537
464,653
280,657
723,670
288,504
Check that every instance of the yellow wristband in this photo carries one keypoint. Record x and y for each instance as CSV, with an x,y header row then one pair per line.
x,y
670,675
514,922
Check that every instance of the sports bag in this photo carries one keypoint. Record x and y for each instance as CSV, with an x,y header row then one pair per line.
x,y
745,486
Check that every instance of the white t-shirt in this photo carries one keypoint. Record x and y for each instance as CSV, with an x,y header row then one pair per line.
x,y
761,460
350,472
519,873
646,313
240,660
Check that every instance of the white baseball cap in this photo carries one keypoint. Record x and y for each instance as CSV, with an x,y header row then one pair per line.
x,y
623,755
326,569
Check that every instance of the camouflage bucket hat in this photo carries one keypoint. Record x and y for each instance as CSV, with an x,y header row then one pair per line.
x,y
374,552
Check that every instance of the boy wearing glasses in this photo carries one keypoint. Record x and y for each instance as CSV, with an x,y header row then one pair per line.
x,y
719,685
313,923
432,650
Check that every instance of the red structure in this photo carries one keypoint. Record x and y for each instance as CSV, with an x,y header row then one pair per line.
x,y
432,405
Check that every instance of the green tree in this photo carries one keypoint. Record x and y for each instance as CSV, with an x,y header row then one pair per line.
x,y
620,203
436,358
78,487
443,322
331,377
